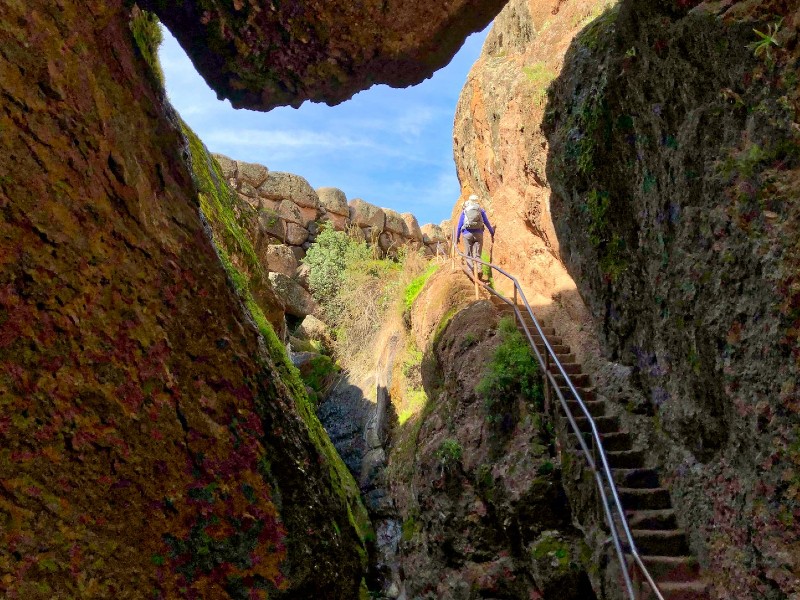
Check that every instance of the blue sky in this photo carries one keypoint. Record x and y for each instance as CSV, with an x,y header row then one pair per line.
x,y
391,147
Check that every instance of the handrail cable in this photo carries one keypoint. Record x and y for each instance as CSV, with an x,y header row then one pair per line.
x,y
602,476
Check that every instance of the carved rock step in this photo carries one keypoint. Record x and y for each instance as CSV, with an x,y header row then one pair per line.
x,y
652,519
691,590
635,478
661,542
570,368
587,394
604,424
625,459
579,380
670,568
612,442
644,498
596,408
558,348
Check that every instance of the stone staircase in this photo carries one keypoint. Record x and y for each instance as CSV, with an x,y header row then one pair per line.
x,y
662,545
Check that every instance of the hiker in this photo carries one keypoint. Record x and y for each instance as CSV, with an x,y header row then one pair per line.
x,y
471,223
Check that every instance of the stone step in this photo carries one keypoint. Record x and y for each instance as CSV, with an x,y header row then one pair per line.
x,y
644,498
661,542
587,394
652,519
635,478
548,331
669,568
596,408
578,380
672,590
603,424
558,348
565,358
625,459
571,368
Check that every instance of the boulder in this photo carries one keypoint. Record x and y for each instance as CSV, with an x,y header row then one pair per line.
x,y
228,166
281,259
246,189
386,240
252,173
290,212
301,275
395,223
270,223
365,214
313,328
261,54
413,230
299,302
333,200
288,186
338,222
432,233
296,235
447,228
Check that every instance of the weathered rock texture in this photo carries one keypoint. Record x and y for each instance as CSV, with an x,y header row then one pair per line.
x,y
675,164
262,54
155,443
484,513
672,153
499,149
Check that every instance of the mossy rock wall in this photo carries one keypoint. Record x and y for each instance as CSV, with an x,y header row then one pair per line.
x,y
674,162
156,441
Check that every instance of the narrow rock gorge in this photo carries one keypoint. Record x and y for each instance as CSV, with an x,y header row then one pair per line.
x,y
642,163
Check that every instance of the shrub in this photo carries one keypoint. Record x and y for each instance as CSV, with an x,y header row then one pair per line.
x,y
328,258
148,36
512,372
449,455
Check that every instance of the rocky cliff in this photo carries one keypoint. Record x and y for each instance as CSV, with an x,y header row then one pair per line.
x,y
669,168
155,439
675,163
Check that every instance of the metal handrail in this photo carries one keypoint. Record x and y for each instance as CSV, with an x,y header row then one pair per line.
x,y
600,474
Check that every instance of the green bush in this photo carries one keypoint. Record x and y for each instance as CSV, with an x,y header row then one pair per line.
x,y
512,372
328,259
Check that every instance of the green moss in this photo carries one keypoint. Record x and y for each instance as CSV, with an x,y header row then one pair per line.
x,y
600,24
449,455
148,36
555,550
319,374
416,285
219,204
540,76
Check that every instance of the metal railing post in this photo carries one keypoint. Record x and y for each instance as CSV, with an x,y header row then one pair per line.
x,y
515,306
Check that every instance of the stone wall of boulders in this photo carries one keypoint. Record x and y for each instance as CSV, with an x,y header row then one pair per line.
x,y
290,213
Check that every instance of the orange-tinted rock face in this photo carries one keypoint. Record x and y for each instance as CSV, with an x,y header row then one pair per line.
x,y
261,54
499,149
150,446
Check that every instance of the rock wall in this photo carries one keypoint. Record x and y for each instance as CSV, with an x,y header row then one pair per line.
x,y
666,181
674,162
156,441
288,211
499,148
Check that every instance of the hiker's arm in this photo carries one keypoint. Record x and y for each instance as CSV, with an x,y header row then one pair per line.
x,y
460,225
486,222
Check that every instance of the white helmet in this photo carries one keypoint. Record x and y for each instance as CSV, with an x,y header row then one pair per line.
x,y
474,198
